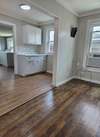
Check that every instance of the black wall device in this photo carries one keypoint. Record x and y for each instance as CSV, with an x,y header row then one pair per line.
x,y
73,31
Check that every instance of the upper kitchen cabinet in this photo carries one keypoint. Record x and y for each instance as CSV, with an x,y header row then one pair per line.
x,y
31,35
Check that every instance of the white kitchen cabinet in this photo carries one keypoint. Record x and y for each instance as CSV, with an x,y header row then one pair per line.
x,y
2,44
4,59
28,65
7,59
31,35
38,36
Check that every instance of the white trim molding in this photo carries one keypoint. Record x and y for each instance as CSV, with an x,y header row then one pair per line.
x,y
49,71
65,81
77,77
88,80
89,26
89,13
67,6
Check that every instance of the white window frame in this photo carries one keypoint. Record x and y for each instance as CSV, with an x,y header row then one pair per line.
x,y
48,30
89,28
50,41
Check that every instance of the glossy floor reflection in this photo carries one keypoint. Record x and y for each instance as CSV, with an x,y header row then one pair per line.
x,y
15,92
6,73
71,110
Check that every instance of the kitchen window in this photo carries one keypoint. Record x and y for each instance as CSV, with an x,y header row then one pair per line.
x,y
10,44
50,41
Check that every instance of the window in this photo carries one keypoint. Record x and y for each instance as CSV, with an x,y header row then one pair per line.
x,y
93,57
50,41
95,41
10,44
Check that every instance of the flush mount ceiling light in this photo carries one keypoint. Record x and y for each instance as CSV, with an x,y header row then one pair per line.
x,y
25,7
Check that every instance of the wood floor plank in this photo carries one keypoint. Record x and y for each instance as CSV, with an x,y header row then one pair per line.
x,y
72,110
16,92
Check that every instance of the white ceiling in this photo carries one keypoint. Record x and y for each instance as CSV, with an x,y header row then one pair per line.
x,y
81,7
78,7
11,8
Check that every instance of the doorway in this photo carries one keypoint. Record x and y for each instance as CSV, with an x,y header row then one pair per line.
x,y
6,51
30,57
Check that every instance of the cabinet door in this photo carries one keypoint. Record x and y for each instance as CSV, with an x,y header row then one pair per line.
x,y
4,59
2,44
38,36
25,35
28,35
31,35
40,63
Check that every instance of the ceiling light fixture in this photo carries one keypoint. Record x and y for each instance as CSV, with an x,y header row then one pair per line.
x,y
25,7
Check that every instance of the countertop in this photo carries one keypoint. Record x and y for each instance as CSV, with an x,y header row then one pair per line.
x,y
31,54
6,51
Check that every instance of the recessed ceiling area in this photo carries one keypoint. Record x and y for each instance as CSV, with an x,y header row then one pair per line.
x,y
12,8
5,30
81,7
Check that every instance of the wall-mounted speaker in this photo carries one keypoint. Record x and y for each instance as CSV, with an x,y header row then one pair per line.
x,y
73,31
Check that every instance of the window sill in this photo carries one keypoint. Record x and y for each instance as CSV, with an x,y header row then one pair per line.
x,y
50,53
91,69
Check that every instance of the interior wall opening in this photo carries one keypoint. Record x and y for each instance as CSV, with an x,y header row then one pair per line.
x,y
7,48
35,57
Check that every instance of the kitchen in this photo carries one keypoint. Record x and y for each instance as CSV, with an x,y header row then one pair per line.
x,y
31,48
31,45
33,56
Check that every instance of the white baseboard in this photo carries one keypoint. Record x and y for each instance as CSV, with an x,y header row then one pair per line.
x,y
76,77
88,80
63,82
49,72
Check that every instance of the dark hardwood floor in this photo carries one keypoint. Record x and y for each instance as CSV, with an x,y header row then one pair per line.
x,y
72,110
15,92
6,73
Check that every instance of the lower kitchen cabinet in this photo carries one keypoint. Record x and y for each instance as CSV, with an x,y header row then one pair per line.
x,y
7,59
28,65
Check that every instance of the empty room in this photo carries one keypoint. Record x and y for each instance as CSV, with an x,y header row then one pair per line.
x,y
49,68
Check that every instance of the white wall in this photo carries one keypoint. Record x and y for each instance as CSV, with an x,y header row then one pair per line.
x,y
63,58
81,43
